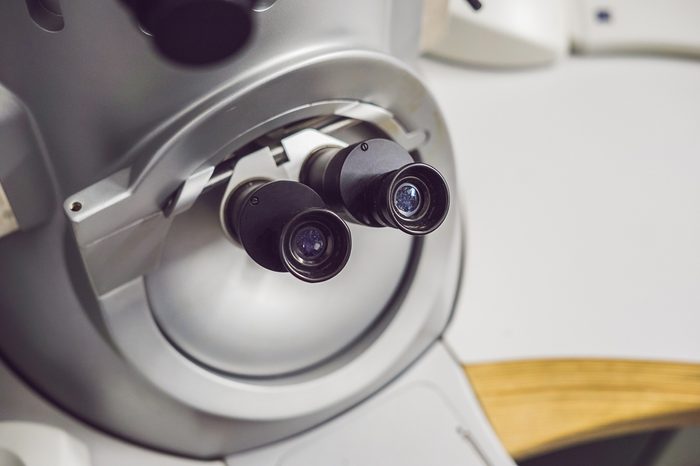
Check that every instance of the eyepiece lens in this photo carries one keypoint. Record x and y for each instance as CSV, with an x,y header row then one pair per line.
x,y
315,245
414,199
309,243
407,199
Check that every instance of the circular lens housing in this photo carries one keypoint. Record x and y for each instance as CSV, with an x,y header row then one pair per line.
x,y
315,245
284,226
416,199
377,183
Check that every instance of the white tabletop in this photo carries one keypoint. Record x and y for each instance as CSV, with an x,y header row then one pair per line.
x,y
581,187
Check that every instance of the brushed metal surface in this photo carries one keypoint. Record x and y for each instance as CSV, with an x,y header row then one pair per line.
x,y
105,104
220,308
230,313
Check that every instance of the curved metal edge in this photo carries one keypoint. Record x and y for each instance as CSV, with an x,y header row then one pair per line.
x,y
423,315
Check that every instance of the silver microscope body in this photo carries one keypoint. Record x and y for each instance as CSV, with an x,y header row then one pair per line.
x,y
127,299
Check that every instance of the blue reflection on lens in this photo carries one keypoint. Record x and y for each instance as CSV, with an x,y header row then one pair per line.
x,y
309,243
407,199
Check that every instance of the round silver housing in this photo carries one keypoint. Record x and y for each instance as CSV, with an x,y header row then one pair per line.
x,y
160,329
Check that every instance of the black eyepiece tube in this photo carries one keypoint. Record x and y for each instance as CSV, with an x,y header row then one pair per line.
x,y
285,227
414,199
377,183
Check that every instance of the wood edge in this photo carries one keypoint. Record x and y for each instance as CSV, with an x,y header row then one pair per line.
x,y
654,395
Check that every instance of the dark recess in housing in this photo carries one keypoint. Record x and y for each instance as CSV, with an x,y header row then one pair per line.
x,y
47,14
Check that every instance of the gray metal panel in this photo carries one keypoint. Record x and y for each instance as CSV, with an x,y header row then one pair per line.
x,y
20,403
226,311
429,415
97,87
105,104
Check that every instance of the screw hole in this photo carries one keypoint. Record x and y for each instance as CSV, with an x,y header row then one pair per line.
x,y
76,206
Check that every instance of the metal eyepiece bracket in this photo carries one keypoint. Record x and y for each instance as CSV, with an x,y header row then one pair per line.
x,y
284,226
378,183
127,223
128,215
263,164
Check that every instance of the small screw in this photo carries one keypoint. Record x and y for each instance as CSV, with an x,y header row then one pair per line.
x,y
603,16
76,206
364,146
254,200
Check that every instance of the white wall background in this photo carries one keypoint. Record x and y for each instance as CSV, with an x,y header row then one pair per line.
x,y
581,186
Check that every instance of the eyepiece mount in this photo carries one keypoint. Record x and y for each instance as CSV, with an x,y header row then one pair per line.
x,y
415,199
377,183
285,227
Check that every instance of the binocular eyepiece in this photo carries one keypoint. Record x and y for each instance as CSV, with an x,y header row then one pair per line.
x,y
377,183
285,227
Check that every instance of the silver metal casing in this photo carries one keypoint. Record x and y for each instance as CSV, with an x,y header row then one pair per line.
x,y
123,130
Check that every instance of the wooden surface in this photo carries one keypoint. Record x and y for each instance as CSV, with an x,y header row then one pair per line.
x,y
541,405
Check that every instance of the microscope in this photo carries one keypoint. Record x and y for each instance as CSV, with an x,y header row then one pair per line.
x,y
229,234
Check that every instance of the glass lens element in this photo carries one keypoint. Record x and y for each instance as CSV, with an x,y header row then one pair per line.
x,y
309,243
407,199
